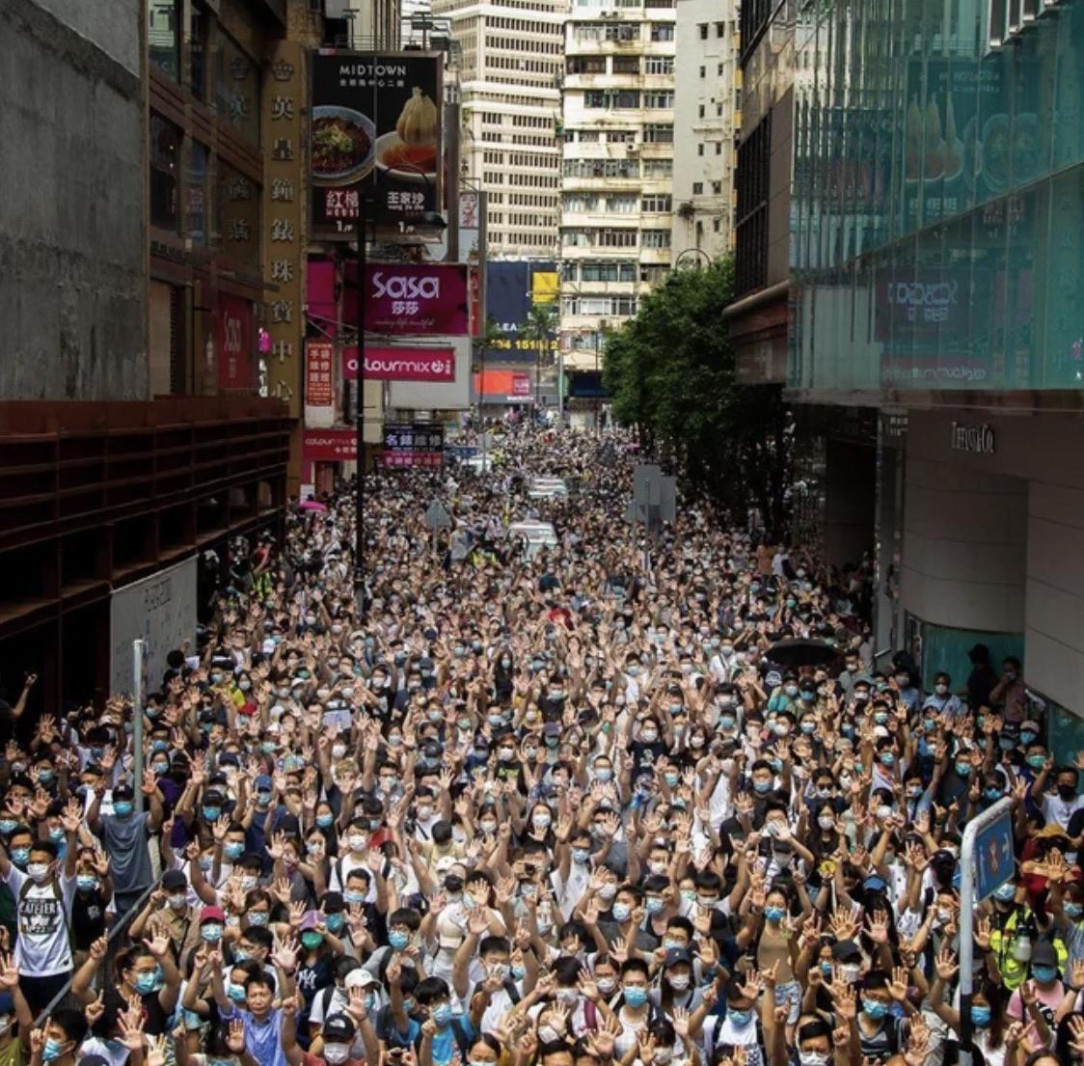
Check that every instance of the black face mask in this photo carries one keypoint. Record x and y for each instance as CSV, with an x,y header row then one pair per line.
x,y
1067,792
454,884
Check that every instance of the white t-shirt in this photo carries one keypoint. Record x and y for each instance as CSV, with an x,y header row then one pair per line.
x,y
43,947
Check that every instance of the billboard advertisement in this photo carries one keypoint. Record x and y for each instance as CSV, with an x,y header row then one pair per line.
x,y
330,445
319,383
413,444
451,395
416,299
376,138
406,363
511,288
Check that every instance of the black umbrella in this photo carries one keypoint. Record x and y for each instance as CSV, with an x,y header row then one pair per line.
x,y
796,651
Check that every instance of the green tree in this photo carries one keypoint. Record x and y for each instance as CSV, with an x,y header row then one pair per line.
x,y
672,375
492,336
539,328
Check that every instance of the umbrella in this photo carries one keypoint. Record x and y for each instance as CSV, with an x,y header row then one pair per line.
x,y
312,505
796,651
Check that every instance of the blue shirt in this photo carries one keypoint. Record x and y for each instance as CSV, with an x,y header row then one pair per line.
x,y
445,1043
262,1039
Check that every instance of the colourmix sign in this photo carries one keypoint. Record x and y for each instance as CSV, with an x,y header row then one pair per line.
x,y
402,364
376,138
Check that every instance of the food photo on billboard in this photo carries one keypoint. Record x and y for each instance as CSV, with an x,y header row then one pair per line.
x,y
375,138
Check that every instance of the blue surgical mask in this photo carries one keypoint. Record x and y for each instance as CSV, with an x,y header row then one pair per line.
x,y
981,1017
20,856
212,814
324,820
635,996
8,826
621,912
235,992
258,917
52,1050
57,835
1005,892
1045,974
774,914
147,983
122,808
234,849
1073,910
874,1008
211,932
335,923
398,939
740,1018
963,769
761,787
86,882
580,855
654,904
442,1014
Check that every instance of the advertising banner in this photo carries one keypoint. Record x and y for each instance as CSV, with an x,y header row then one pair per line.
x,y
401,364
510,290
235,328
376,138
437,395
319,384
416,299
412,444
329,445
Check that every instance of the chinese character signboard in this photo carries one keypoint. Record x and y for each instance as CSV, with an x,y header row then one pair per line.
x,y
319,384
401,364
416,299
329,445
376,138
283,225
413,444
235,341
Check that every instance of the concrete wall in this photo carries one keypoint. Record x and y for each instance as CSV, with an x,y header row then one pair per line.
x,y
72,288
996,541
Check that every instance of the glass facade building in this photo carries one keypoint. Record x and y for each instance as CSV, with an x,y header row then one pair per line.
x,y
937,206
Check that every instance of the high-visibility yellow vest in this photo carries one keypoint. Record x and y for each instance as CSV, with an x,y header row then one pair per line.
x,y
1003,946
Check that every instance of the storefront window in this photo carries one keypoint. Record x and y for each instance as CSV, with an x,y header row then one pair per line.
x,y
164,35
238,201
237,88
165,155
198,167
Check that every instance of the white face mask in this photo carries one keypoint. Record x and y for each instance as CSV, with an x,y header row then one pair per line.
x,y
336,1054
813,1058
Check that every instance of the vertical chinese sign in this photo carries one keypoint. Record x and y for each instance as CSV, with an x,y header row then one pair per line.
x,y
284,241
319,384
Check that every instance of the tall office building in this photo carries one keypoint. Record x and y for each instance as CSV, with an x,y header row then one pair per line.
x,y
707,111
510,68
617,168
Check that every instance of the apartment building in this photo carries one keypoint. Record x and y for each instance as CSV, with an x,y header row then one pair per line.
x,y
617,166
510,65
707,112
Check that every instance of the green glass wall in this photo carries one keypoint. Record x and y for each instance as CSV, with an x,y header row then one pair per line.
x,y
937,206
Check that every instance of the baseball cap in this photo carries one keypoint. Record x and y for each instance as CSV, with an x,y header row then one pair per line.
x,y
1044,953
310,920
676,955
212,914
263,783
845,951
174,881
359,978
338,1029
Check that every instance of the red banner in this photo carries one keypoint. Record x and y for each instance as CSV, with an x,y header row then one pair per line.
x,y
330,445
235,324
319,380
416,299
521,384
401,364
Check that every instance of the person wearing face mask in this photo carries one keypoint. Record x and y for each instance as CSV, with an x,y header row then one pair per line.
x,y
124,834
942,700
43,900
57,1043
1040,997
1060,805
443,1032
878,1029
169,908
988,1018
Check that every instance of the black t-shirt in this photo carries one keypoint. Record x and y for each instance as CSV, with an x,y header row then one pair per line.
x,y
88,918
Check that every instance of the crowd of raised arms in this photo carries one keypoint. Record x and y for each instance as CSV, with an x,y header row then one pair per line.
x,y
549,808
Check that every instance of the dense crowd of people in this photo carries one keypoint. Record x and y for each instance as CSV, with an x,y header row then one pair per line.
x,y
549,809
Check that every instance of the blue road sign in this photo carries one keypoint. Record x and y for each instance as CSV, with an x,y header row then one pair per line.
x,y
993,856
